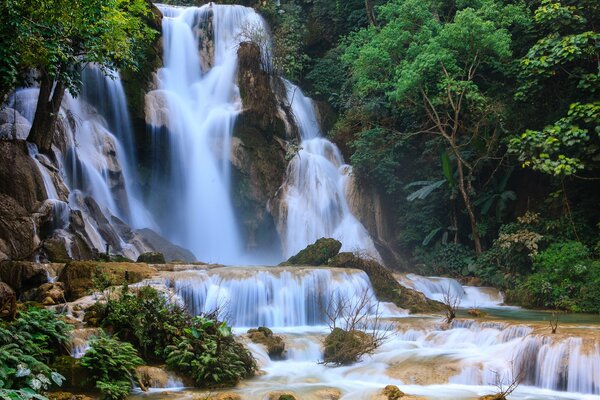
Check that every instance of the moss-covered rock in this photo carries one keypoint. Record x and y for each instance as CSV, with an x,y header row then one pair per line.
x,y
392,392
346,347
384,284
151,258
317,253
81,277
66,396
274,344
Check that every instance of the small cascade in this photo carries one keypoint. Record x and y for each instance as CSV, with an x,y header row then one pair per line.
x,y
315,189
197,103
436,288
80,341
273,297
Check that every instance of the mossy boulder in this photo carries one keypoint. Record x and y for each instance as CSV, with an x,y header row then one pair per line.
x,y
274,344
385,286
317,253
152,258
79,277
346,347
392,392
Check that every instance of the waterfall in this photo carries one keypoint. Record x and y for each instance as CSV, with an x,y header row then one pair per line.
x,y
272,297
201,100
316,189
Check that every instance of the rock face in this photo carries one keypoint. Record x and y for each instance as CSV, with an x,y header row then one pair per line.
x,y
170,251
8,301
258,147
23,275
17,230
368,207
386,287
152,377
317,253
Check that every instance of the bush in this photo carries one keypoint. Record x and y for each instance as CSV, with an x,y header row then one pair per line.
x,y
210,355
565,277
451,259
112,366
146,318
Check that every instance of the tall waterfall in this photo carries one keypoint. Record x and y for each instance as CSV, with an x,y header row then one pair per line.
x,y
316,188
202,101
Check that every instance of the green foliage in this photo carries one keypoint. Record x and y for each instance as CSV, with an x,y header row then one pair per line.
x,y
146,318
59,37
112,366
565,277
447,259
27,344
209,354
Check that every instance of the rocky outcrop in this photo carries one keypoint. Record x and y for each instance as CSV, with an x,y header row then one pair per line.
x,y
17,231
170,251
385,286
24,275
47,294
152,377
8,301
258,148
151,258
317,253
82,277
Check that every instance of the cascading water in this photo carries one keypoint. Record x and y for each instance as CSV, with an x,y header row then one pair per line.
x,y
272,297
202,102
315,197
436,288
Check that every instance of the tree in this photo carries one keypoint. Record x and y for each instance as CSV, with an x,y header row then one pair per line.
x,y
58,38
561,71
435,69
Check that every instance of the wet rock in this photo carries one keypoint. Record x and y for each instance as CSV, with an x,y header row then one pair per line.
x,y
8,301
47,294
317,253
328,394
78,276
346,347
221,396
17,230
151,258
391,392
493,397
18,167
152,377
153,240
23,275
274,344
13,125
384,284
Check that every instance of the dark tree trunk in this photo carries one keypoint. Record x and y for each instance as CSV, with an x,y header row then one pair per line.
x,y
46,113
370,12
464,191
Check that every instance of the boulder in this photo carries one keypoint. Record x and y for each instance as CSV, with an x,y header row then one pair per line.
x,y
151,258
328,394
274,344
493,397
47,294
78,276
66,396
23,275
280,395
385,286
220,396
391,392
156,242
317,253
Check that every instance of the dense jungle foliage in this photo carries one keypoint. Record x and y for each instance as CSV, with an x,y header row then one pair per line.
x,y
479,122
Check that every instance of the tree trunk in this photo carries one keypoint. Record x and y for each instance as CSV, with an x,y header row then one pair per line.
x,y
467,199
46,113
370,12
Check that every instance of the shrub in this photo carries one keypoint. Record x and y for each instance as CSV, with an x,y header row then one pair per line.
x,y
210,355
565,277
146,318
112,366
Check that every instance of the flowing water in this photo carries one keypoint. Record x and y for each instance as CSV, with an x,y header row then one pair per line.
x,y
316,188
